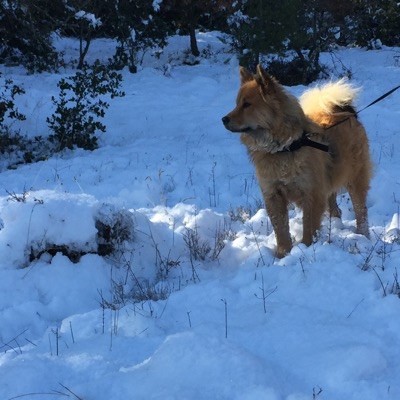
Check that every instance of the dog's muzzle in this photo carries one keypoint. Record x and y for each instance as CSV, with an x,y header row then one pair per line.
x,y
227,123
225,120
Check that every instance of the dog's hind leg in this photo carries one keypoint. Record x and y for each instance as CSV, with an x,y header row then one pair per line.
x,y
358,194
277,208
313,209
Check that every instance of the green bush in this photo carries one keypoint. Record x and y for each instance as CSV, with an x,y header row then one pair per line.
x,y
8,108
295,71
80,106
9,139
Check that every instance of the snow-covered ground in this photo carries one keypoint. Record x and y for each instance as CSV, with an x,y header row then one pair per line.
x,y
193,304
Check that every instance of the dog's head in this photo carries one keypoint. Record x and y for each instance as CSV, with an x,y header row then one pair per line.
x,y
266,115
255,104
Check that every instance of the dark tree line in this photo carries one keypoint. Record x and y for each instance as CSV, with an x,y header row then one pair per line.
x,y
305,28
302,27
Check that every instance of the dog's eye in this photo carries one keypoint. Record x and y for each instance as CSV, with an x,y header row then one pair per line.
x,y
246,104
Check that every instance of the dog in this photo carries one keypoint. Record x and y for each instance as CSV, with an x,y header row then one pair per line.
x,y
303,151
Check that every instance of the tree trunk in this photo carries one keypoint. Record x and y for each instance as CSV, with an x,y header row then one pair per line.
x,y
132,62
83,50
193,42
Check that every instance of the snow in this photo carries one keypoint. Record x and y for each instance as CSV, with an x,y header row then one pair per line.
x,y
133,35
154,320
156,5
92,20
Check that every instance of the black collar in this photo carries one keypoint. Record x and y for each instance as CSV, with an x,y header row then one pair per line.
x,y
304,140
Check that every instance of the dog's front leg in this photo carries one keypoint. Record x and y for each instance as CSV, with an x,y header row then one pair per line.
x,y
277,208
313,208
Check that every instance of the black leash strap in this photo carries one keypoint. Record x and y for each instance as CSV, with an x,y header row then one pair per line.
x,y
379,99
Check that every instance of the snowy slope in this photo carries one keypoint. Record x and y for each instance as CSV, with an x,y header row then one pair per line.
x,y
193,305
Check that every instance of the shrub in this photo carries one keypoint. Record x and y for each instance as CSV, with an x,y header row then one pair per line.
x,y
80,106
26,29
10,140
295,71
8,109
114,227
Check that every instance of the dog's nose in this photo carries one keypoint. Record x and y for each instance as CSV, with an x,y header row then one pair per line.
x,y
225,120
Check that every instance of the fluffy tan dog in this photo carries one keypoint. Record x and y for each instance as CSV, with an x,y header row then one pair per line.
x,y
286,140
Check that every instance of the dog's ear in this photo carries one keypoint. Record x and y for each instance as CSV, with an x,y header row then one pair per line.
x,y
245,75
266,81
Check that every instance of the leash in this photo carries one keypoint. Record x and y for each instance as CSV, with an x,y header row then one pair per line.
x,y
304,140
379,99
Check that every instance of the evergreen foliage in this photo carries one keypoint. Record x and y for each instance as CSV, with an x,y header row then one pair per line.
x,y
81,20
80,106
301,29
260,27
25,34
298,31
8,108
9,114
14,148
137,25
377,22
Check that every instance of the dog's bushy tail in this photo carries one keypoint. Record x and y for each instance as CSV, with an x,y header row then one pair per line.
x,y
330,98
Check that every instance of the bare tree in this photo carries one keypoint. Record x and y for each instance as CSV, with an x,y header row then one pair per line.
x,y
187,15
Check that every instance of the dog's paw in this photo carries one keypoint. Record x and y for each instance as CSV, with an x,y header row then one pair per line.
x,y
282,251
